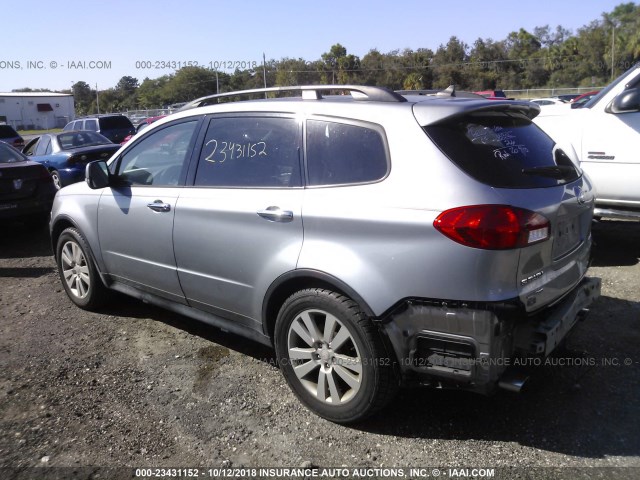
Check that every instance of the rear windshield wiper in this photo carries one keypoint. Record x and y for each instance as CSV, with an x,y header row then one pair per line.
x,y
553,171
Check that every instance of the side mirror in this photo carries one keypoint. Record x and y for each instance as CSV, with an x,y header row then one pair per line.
x,y
627,101
97,174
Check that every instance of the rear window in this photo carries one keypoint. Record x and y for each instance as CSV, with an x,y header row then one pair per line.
x,y
10,155
69,141
114,123
7,131
503,150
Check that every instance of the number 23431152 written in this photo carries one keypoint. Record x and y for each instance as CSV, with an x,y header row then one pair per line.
x,y
221,151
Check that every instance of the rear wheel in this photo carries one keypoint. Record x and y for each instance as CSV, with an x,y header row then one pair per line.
x,y
77,271
332,356
55,176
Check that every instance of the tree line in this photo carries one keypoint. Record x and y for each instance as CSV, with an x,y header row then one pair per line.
x,y
543,58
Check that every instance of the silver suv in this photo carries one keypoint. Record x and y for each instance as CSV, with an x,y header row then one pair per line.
x,y
374,239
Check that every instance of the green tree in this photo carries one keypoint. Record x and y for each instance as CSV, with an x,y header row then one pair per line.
x,y
339,67
449,63
83,98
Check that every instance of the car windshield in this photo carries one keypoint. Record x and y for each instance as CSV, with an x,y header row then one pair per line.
x,y
84,138
9,154
6,131
596,98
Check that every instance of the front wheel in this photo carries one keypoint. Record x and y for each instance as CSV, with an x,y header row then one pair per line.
x,y
77,271
332,356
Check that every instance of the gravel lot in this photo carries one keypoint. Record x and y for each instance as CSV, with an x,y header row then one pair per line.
x,y
135,386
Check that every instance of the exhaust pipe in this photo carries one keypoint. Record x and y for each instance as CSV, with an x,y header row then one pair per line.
x,y
582,314
513,380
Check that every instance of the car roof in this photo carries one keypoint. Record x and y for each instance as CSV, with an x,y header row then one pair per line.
x,y
427,108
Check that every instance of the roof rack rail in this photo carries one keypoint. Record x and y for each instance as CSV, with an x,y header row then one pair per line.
x,y
309,92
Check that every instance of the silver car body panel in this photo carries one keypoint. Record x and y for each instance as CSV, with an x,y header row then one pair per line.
x,y
212,253
257,250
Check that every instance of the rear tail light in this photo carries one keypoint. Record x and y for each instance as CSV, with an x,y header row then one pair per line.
x,y
18,143
74,159
493,227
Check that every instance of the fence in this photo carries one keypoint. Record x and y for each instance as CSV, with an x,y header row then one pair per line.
x,y
547,92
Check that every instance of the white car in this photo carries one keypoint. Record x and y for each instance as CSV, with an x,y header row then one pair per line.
x,y
605,134
545,102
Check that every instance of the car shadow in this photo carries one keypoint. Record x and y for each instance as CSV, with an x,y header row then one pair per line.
x,y
583,401
25,239
616,243
123,305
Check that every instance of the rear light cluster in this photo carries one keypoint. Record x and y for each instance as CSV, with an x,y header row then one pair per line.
x,y
18,143
493,227
78,158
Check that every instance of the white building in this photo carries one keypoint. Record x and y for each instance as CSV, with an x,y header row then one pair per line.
x,y
36,110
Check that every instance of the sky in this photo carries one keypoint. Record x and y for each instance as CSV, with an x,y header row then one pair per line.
x,y
99,42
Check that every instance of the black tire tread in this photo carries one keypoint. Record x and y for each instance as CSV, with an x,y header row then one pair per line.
x,y
100,293
387,383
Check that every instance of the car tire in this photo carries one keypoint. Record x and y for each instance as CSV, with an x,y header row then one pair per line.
x,y
332,356
57,181
78,271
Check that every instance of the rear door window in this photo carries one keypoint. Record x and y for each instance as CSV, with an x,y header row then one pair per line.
x,y
43,147
503,150
251,151
91,125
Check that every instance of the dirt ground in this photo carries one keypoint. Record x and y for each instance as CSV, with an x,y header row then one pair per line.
x,y
135,386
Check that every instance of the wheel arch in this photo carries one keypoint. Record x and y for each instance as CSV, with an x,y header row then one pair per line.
x,y
62,223
289,283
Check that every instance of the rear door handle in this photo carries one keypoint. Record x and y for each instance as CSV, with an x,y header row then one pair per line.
x,y
159,206
275,214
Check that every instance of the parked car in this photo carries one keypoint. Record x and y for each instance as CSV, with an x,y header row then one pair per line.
x,y
581,100
26,188
141,126
114,127
449,91
567,97
66,154
549,101
605,133
10,136
492,94
374,239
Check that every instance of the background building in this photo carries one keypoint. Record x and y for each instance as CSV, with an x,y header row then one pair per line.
x,y
36,110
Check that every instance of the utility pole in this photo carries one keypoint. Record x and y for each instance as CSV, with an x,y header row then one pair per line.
x,y
97,100
264,72
613,49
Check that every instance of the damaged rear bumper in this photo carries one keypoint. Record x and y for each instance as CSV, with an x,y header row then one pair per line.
x,y
475,346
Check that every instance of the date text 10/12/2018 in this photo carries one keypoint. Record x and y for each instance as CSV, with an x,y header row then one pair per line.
x,y
211,65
